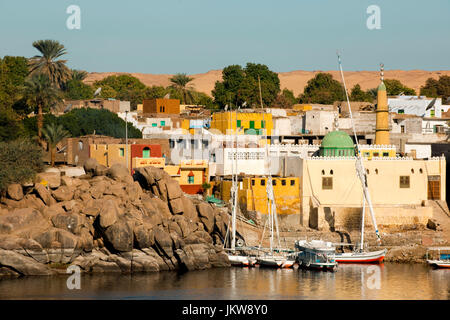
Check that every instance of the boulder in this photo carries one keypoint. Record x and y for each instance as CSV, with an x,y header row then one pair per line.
x,y
120,235
186,262
44,194
15,191
144,236
63,193
189,210
22,264
109,214
22,220
118,172
173,189
161,208
432,224
50,179
185,225
206,214
163,242
90,165
100,170
68,222
176,206
56,238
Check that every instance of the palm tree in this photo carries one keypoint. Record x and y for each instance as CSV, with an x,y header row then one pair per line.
x,y
53,134
180,83
47,63
78,75
39,93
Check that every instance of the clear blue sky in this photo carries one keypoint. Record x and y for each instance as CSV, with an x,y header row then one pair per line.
x,y
195,36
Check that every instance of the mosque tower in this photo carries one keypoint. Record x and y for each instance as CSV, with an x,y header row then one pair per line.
x,y
382,112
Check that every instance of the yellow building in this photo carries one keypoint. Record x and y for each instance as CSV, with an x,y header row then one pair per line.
x,y
109,154
248,122
375,151
253,195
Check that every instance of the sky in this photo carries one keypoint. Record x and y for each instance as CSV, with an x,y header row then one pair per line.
x,y
195,36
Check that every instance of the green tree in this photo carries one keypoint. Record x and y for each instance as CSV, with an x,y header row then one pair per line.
x,y
40,93
322,89
77,90
180,83
10,125
13,72
395,87
240,85
285,100
437,88
20,160
126,87
53,134
47,63
357,94
79,75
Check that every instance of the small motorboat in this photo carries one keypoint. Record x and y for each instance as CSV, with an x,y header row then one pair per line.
x,y
443,259
316,254
275,261
238,260
361,256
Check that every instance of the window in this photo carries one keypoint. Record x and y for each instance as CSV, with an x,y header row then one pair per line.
x,y
323,171
252,124
263,123
146,152
401,111
274,183
253,182
283,182
121,152
263,182
331,171
366,154
402,129
376,171
385,154
191,179
432,113
238,123
404,181
154,124
160,109
327,183
292,182
163,123
376,154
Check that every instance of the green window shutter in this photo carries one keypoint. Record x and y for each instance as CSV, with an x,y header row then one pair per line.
x,y
154,124
191,180
163,123
238,123
146,153
121,152
263,124
252,124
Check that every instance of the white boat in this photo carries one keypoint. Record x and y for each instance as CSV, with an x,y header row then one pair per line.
x,y
361,257
276,261
241,260
316,254
443,259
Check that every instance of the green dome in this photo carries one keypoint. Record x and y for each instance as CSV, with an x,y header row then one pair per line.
x,y
337,143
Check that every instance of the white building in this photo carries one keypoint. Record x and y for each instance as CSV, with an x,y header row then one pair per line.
x,y
417,105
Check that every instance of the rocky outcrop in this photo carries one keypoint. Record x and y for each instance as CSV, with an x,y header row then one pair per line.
x,y
108,221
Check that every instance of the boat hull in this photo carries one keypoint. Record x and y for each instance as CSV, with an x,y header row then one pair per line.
x,y
439,264
275,262
361,257
241,261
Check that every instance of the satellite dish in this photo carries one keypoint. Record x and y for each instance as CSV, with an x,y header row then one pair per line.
x,y
97,92
431,104
167,96
244,104
67,109
226,108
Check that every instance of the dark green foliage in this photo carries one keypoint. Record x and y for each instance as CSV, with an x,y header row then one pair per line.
x,y
285,99
437,88
359,95
20,160
395,87
10,126
323,89
80,122
77,90
241,85
13,71
180,83
125,87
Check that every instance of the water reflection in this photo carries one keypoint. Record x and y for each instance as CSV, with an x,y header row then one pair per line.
x,y
390,281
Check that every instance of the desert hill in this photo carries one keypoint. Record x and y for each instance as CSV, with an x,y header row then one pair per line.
x,y
293,80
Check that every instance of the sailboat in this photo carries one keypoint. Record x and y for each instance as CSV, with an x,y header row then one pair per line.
x,y
236,255
273,257
361,255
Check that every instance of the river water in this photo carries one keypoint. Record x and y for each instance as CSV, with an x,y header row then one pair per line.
x,y
388,281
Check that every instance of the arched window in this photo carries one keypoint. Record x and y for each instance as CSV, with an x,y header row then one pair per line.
x,y
146,152
331,171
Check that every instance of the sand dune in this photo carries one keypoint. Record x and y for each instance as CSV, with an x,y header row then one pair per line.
x,y
293,80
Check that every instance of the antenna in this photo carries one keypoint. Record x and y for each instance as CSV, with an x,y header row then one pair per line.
x,y
97,92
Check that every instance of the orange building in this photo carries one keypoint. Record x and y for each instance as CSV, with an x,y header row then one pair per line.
x,y
161,106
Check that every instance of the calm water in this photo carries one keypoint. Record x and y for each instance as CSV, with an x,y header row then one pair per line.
x,y
389,281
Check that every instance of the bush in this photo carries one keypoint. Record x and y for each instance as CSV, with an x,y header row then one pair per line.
x,y
20,160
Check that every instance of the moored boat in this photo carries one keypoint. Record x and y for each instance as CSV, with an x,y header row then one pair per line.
x,y
316,254
361,257
274,261
443,259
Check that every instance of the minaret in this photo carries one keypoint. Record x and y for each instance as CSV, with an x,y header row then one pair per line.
x,y
382,125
